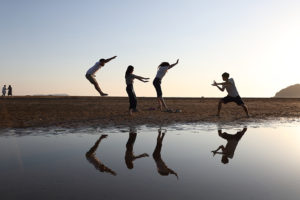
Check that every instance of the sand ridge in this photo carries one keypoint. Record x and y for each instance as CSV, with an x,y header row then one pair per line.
x,y
28,111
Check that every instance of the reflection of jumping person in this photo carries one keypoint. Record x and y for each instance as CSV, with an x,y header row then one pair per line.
x,y
4,90
233,95
129,155
91,157
232,142
9,93
161,72
129,76
90,74
162,168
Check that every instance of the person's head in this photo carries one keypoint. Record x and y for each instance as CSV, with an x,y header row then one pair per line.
x,y
225,76
129,70
102,62
164,64
225,159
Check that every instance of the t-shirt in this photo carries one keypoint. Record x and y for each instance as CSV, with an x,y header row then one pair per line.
x,y
161,72
94,69
129,79
231,89
4,89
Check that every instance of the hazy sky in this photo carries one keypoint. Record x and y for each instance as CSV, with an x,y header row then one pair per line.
x,y
47,46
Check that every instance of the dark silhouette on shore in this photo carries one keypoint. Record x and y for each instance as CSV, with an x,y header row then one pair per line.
x,y
4,90
232,142
129,154
91,157
162,168
9,93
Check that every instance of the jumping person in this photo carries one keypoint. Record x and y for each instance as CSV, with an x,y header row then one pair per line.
x,y
232,142
233,95
9,93
4,90
161,72
90,74
129,77
91,157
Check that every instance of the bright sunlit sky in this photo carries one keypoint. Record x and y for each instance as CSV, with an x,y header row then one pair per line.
x,y
47,46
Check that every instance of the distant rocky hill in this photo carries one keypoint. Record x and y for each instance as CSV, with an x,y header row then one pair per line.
x,y
292,91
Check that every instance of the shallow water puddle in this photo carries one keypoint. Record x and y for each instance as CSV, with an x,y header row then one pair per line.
x,y
186,162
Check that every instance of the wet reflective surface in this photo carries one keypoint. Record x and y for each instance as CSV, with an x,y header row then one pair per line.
x,y
186,162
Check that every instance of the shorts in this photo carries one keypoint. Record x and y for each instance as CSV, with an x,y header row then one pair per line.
x,y
238,100
157,86
91,79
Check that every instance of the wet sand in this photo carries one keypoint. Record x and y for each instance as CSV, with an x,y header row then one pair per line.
x,y
20,112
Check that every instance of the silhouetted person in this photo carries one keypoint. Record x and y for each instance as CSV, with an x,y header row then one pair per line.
x,y
232,142
162,168
129,77
233,95
90,74
4,90
91,157
9,91
161,72
129,154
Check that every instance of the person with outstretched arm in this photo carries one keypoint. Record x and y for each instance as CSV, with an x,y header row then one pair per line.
x,y
129,77
161,72
129,154
90,74
233,95
232,142
91,157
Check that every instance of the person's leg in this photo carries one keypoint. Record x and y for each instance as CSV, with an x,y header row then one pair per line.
x,y
98,89
159,103
131,99
134,102
163,103
240,102
95,83
219,107
246,110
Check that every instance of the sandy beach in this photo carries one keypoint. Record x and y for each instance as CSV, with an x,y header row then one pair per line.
x,y
20,112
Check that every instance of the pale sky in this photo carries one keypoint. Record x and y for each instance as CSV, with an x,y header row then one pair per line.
x,y
47,46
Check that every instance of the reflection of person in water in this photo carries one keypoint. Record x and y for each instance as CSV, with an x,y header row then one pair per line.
x,y
91,157
162,168
129,156
232,142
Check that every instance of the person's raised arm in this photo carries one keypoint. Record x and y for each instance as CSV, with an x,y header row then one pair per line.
x,y
109,59
172,65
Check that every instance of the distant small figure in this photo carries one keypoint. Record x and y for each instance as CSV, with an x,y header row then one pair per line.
x,y
161,72
129,155
162,168
9,93
90,74
232,142
91,157
4,90
233,95
129,77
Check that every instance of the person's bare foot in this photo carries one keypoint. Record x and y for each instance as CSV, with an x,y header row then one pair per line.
x,y
104,94
130,112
